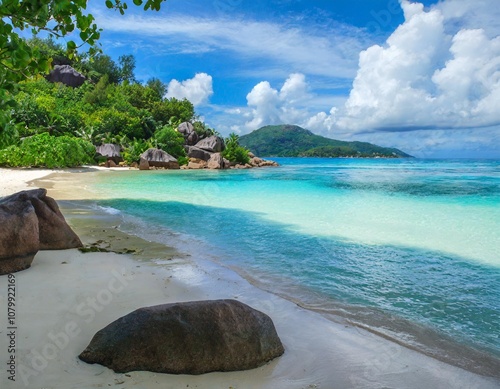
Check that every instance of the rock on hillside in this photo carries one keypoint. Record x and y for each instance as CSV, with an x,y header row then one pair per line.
x,y
67,75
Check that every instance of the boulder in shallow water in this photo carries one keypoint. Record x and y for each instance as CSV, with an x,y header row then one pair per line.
x,y
187,338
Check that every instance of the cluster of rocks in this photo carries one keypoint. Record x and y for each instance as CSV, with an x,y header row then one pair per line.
x,y
206,153
187,338
31,221
203,153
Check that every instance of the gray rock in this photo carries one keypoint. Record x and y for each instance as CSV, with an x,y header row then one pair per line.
x,y
67,75
216,161
110,151
195,152
143,164
55,233
190,135
31,221
213,144
159,158
187,338
192,139
185,128
19,235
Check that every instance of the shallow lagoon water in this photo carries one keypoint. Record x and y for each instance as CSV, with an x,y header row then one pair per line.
x,y
409,248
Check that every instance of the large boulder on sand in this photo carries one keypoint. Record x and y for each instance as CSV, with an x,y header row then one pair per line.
x,y
67,75
19,236
187,338
159,158
212,144
31,221
55,233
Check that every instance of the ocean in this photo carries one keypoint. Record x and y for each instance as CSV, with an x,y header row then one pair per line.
x,y
406,248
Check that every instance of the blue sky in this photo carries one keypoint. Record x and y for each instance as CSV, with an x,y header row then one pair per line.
x,y
420,76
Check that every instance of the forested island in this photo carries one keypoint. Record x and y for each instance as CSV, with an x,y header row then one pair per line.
x,y
294,141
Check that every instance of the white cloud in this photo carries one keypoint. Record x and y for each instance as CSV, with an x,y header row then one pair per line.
x,y
294,89
272,106
424,78
331,51
197,89
469,14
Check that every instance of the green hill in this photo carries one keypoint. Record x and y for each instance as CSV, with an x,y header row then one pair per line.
x,y
294,141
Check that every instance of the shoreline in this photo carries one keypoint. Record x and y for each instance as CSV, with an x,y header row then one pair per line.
x,y
318,351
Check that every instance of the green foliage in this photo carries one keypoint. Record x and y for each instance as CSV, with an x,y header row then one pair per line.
x,y
171,141
19,60
133,150
173,111
46,107
140,96
203,130
102,108
294,141
101,65
50,49
329,152
127,66
44,150
120,123
98,95
234,152
10,135
158,87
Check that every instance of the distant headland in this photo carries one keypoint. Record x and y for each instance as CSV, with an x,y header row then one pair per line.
x,y
293,141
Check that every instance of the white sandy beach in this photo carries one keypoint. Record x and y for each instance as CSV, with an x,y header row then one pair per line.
x,y
67,296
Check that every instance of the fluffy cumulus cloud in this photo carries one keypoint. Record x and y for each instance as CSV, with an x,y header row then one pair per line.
x,y
425,77
271,106
197,89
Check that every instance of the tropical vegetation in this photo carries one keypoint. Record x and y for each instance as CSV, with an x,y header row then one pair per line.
x,y
19,60
110,107
294,141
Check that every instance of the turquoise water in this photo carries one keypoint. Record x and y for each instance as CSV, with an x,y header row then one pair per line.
x,y
402,246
